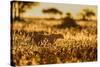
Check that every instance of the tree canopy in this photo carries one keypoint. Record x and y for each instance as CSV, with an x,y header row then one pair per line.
x,y
52,10
19,7
87,13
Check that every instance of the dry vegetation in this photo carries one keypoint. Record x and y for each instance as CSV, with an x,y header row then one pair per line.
x,y
75,45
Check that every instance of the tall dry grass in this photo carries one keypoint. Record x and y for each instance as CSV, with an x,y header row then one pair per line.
x,y
78,45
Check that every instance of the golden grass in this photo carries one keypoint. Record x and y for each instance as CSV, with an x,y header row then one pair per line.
x,y
78,45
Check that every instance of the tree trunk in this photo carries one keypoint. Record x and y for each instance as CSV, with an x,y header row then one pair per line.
x,y
84,17
16,11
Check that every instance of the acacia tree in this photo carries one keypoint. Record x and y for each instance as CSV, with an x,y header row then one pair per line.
x,y
19,7
52,11
87,14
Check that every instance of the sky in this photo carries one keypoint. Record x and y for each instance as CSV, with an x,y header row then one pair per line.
x,y
72,8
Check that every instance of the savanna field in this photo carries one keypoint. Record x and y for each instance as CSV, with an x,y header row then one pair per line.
x,y
41,42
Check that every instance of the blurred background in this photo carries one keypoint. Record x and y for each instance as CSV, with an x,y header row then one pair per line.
x,y
52,10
